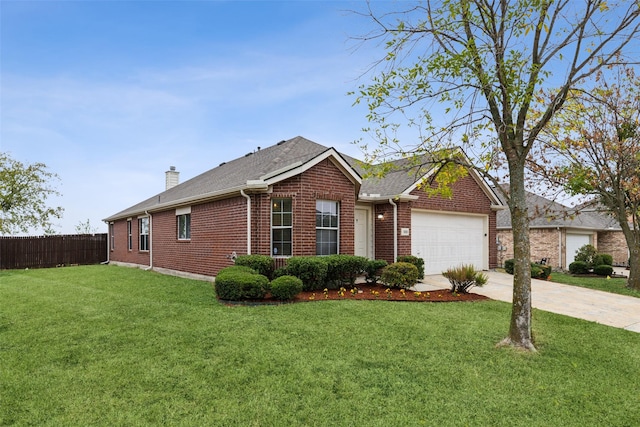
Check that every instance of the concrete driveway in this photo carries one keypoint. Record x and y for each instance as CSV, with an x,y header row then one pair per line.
x,y
602,307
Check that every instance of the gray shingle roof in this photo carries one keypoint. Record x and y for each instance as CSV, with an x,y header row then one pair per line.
x,y
545,213
232,176
402,176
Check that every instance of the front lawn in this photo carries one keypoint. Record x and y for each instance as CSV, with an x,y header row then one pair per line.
x,y
106,345
614,285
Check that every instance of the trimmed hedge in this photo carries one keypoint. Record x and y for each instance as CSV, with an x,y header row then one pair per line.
x,y
344,269
402,275
373,270
263,264
286,288
603,270
578,267
602,259
418,262
237,283
312,270
537,271
508,265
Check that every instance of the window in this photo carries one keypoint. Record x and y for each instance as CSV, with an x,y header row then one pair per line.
x,y
129,236
326,227
281,227
184,226
113,237
143,227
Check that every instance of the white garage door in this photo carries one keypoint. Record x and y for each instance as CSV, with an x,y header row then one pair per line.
x,y
575,242
448,240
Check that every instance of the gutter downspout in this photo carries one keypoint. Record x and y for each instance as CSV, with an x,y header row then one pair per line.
x,y
108,244
246,196
150,241
395,230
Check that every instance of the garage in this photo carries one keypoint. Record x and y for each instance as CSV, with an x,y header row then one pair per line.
x,y
447,240
574,242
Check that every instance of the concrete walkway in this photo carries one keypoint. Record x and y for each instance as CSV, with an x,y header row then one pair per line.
x,y
597,306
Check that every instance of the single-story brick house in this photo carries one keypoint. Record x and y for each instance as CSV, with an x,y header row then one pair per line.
x,y
301,198
557,232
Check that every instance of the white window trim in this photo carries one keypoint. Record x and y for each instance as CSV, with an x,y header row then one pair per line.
x,y
148,234
336,228
280,227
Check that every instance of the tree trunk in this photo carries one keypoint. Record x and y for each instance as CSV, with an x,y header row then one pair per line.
x,y
632,236
634,266
520,327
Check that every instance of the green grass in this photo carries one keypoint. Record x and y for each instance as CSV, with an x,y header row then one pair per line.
x,y
106,345
614,285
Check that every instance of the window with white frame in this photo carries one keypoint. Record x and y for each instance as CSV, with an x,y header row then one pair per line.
x,y
129,235
183,223
143,229
184,226
281,227
326,227
113,236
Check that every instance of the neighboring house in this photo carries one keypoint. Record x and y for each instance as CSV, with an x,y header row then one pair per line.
x,y
301,198
557,232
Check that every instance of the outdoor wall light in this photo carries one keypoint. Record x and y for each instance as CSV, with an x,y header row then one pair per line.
x,y
380,216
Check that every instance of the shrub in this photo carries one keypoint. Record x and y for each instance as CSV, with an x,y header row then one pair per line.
x,y
540,271
603,270
240,282
263,264
281,271
286,288
235,269
373,270
312,270
464,277
508,266
578,267
603,259
418,262
401,275
586,254
344,269
537,271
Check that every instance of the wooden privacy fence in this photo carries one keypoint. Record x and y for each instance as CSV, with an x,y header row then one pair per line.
x,y
52,251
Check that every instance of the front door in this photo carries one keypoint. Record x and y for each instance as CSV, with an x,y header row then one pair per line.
x,y
362,239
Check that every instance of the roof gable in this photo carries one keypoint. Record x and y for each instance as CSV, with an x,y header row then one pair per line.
x,y
405,176
252,172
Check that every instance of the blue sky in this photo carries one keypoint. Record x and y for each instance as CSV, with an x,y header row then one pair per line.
x,y
109,94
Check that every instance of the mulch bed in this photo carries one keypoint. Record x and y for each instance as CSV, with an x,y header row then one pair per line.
x,y
369,292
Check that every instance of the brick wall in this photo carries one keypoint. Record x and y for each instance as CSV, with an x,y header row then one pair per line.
x,y
614,244
219,228
384,232
120,251
544,244
323,181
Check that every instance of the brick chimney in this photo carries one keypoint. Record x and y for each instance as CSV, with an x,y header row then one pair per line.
x,y
172,178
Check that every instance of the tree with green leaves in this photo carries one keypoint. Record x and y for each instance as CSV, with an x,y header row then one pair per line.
x,y
467,73
24,190
86,227
595,141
